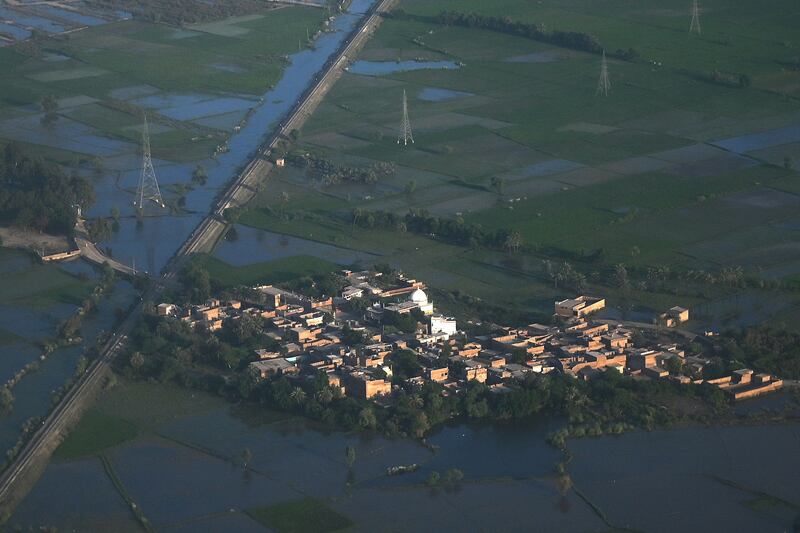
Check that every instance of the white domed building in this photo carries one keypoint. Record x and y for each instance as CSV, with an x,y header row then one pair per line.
x,y
421,299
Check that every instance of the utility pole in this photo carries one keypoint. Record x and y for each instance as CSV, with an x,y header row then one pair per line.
x,y
694,26
603,84
148,184
405,126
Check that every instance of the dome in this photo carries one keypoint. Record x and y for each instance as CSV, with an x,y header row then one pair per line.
x,y
419,297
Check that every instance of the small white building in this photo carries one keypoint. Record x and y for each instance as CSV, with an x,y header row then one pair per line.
x,y
166,309
444,325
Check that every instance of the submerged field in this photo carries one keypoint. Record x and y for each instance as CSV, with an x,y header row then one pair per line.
x,y
672,168
178,454
197,83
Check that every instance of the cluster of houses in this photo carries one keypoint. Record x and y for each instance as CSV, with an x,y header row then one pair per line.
x,y
353,344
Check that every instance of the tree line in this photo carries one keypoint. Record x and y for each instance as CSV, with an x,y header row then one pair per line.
x,y
329,173
455,231
38,195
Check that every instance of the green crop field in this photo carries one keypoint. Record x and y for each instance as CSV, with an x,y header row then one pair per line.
x,y
277,271
635,177
95,432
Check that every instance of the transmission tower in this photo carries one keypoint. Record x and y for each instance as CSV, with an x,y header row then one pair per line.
x,y
603,84
694,26
148,184
405,127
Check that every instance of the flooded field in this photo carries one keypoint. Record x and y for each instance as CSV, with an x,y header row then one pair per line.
x,y
184,472
34,317
152,242
50,17
382,68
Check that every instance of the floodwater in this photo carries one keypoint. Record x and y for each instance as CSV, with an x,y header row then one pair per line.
x,y
382,68
195,106
758,141
187,477
543,168
65,134
437,94
693,479
159,237
33,394
52,19
71,16
23,19
254,245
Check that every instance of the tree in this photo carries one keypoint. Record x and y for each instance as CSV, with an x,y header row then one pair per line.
x,y
81,365
498,184
6,399
196,282
433,479
411,186
49,105
199,175
350,456
137,360
453,477
513,242
324,396
366,418
298,396
247,456
621,276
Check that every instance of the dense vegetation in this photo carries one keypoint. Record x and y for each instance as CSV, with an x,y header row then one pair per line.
x,y
568,39
765,349
330,173
454,231
38,195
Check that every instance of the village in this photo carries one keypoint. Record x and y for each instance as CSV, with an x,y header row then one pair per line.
x,y
353,337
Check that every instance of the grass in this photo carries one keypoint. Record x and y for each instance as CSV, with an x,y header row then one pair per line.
x,y
149,405
631,196
277,271
301,516
95,432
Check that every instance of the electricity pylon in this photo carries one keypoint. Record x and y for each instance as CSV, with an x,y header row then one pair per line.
x,y
603,84
405,126
694,26
148,190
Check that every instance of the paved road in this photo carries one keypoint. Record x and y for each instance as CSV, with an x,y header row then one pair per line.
x,y
33,457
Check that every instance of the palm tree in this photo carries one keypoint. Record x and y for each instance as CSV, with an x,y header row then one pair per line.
x,y
513,241
324,396
247,456
298,395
